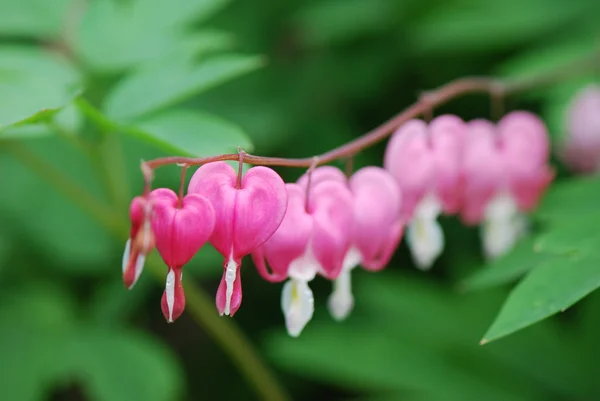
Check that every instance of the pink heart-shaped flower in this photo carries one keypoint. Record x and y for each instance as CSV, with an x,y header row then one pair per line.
x,y
246,217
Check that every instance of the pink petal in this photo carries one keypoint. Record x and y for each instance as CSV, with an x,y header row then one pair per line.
x,y
408,158
245,217
289,241
377,205
330,204
323,173
181,231
447,134
526,149
483,169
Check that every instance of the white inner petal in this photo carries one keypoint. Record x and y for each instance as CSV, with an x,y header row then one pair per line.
x,y
170,291
503,225
297,304
139,266
305,267
230,274
126,254
424,234
341,300
352,258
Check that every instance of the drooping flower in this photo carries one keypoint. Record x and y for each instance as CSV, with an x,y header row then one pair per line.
x,y
313,238
376,229
140,242
505,173
581,146
247,213
181,227
425,160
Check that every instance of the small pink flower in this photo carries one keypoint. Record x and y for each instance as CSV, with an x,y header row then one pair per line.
x,y
425,159
246,217
140,242
505,173
181,228
313,238
581,147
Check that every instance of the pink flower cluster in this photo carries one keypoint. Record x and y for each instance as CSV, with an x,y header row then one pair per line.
x,y
327,224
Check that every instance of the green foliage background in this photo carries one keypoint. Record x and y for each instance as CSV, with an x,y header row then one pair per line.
x,y
88,88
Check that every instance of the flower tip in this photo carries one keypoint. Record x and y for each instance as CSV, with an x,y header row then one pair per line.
x,y
297,304
229,294
173,299
133,264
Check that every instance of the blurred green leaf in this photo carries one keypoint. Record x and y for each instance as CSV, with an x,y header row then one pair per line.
x,y
118,365
36,319
31,206
192,133
576,197
549,58
161,85
490,26
34,85
551,287
507,268
67,117
32,18
116,35
338,21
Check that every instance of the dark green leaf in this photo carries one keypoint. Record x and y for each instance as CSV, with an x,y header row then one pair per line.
x,y
488,26
117,365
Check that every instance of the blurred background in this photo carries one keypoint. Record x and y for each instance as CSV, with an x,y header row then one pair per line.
x,y
89,88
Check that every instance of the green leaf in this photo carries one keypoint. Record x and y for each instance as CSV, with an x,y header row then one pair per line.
x,y
544,60
162,85
32,18
34,85
192,133
522,258
33,208
116,35
489,26
38,318
117,365
576,197
338,21
551,287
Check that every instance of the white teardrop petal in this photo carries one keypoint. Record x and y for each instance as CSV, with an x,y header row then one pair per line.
x,y
297,304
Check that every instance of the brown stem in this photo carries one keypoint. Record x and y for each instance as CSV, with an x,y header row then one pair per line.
x,y
432,99
240,155
349,166
312,167
182,185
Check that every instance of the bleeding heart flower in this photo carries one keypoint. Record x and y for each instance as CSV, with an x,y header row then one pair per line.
x,y
376,232
376,229
313,238
581,146
425,159
181,227
140,242
505,173
246,216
